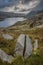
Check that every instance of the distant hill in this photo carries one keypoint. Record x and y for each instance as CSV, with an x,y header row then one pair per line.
x,y
32,13
36,20
11,14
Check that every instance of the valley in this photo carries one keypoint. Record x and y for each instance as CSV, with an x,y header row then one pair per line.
x,y
33,27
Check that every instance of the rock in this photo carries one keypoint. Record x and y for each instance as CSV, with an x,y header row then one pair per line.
x,y
5,57
35,46
20,45
7,36
23,46
28,51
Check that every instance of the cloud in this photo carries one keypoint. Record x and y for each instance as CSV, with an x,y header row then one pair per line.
x,y
20,7
40,6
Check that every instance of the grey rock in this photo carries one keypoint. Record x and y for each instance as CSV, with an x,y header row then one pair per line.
x,y
7,36
20,45
28,51
5,57
35,46
23,46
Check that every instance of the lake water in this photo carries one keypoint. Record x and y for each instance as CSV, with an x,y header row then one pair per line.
x,y
10,21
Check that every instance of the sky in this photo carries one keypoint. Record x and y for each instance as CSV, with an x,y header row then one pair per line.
x,y
21,6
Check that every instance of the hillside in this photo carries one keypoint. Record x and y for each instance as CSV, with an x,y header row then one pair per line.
x,y
33,27
21,32
30,22
4,15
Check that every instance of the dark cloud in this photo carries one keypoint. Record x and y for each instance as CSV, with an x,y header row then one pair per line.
x,y
6,5
40,6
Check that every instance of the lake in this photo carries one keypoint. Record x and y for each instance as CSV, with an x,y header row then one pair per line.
x,y
10,21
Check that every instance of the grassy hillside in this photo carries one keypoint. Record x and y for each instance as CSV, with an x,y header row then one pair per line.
x,y
30,28
9,45
32,21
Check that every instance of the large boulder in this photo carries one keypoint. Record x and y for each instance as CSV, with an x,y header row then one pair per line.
x,y
23,46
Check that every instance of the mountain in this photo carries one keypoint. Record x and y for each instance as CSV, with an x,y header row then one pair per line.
x,y
33,13
33,21
4,15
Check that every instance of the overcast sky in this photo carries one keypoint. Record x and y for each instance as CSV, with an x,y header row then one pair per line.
x,y
14,5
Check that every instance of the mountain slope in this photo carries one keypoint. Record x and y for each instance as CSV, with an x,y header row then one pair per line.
x,y
32,21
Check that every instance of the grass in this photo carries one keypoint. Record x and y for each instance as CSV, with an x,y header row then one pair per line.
x,y
9,45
